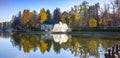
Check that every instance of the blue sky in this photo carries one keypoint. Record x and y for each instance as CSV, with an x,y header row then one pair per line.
x,y
12,7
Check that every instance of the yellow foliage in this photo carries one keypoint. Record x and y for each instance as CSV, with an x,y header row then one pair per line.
x,y
26,16
100,21
92,44
77,17
77,43
63,19
69,19
92,23
43,46
43,16
26,45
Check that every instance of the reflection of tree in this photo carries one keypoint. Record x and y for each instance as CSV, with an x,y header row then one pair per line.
x,y
30,42
92,44
27,42
43,46
56,47
82,46
106,43
4,34
26,45
16,40
49,44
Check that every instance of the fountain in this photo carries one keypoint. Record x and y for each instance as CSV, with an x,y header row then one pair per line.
x,y
61,27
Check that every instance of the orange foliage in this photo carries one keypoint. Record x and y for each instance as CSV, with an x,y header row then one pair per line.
x,y
26,16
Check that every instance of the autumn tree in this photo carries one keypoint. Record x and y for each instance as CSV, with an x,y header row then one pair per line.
x,y
64,18
106,17
93,12
100,22
69,21
33,20
76,15
92,22
49,17
26,16
84,14
71,16
43,15
117,14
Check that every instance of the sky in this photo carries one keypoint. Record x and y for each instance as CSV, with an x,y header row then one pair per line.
x,y
8,8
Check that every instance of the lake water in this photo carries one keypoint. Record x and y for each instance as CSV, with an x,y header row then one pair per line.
x,y
81,45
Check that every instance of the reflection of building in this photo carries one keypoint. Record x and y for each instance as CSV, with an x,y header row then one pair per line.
x,y
101,51
60,38
46,36
61,27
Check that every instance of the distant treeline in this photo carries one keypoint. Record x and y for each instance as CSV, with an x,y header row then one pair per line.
x,y
83,15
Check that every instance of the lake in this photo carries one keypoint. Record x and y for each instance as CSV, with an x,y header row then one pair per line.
x,y
76,45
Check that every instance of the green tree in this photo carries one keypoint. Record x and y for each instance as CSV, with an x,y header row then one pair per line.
x,y
15,22
56,16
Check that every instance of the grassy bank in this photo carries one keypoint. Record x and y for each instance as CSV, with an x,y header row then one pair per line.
x,y
116,29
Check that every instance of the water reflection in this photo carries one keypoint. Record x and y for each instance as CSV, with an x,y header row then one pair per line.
x,y
60,38
4,35
79,46
101,51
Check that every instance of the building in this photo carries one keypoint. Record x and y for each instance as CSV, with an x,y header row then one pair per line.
x,y
46,27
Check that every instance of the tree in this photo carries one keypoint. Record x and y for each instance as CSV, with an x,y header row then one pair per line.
x,y
26,16
56,16
84,14
76,16
64,17
15,22
93,12
49,17
106,17
69,21
33,20
100,22
117,4
43,15
92,22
